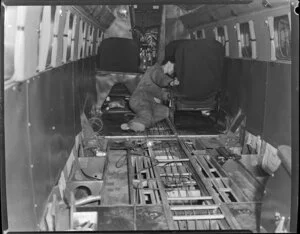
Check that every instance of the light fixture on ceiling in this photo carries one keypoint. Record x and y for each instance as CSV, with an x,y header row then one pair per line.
x,y
212,18
233,12
266,3
122,12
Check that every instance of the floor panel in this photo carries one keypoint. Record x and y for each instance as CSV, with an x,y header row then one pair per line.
x,y
163,180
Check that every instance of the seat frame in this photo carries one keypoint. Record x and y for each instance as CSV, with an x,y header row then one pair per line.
x,y
174,99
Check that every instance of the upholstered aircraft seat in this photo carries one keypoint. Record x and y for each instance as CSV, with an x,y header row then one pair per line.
x,y
198,66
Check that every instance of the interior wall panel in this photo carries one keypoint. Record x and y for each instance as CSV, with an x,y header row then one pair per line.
x,y
233,83
19,188
262,90
78,98
256,94
224,81
50,107
40,128
245,81
252,85
89,83
277,123
84,83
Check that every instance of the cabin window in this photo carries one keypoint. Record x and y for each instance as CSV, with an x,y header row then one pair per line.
x,y
193,36
99,34
87,43
82,39
39,46
245,40
282,37
10,29
68,37
220,35
25,41
95,41
252,39
46,34
50,44
84,42
51,28
200,34
74,39
226,41
91,41
58,37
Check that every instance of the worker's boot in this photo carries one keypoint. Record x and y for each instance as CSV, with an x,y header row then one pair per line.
x,y
134,126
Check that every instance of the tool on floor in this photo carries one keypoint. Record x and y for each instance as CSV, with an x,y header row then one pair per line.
x,y
224,155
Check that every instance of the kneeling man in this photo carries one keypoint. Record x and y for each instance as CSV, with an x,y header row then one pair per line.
x,y
146,100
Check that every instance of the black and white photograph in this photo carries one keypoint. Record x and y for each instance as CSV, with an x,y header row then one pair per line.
x,y
149,116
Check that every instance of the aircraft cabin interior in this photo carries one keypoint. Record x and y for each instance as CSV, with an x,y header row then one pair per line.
x,y
149,115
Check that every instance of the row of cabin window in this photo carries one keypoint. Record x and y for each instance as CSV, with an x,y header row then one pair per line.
x,y
89,38
280,35
32,33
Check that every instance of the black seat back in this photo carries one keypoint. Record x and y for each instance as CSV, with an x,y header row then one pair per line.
x,y
171,47
119,55
199,66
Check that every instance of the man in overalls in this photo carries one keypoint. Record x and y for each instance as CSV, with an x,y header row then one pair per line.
x,y
146,100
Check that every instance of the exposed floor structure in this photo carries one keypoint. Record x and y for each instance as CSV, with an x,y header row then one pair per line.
x,y
171,177
164,180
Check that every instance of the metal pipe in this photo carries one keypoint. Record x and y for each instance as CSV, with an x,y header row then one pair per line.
x,y
198,136
119,2
86,200
172,160
184,183
125,137
175,174
195,207
161,136
189,198
199,217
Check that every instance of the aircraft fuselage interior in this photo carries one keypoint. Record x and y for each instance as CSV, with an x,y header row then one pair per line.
x,y
149,115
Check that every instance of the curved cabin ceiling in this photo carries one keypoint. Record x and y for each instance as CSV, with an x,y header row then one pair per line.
x,y
212,13
101,13
197,14
198,11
